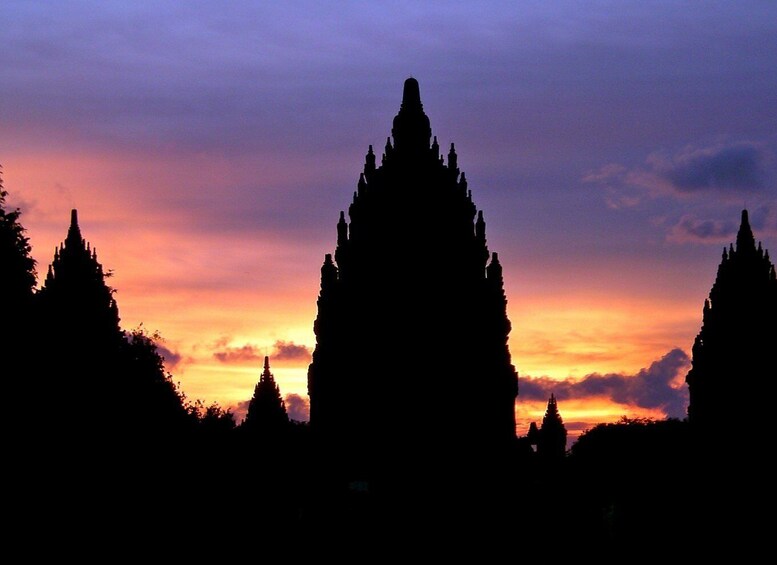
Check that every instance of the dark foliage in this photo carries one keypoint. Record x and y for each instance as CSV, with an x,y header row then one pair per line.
x,y
18,277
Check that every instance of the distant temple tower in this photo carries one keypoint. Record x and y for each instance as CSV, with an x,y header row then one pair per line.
x,y
266,410
735,353
78,326
411,363
552,437
75,297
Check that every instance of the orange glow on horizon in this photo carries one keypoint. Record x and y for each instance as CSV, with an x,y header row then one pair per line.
x,y
205,290
579,415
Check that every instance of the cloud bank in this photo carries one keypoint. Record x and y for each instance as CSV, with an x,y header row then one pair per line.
x,y
658,386
297,407
283,351
729,169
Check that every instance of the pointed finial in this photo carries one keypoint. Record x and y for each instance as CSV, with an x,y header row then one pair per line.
x,y
342,229
266,362
73,218
369,161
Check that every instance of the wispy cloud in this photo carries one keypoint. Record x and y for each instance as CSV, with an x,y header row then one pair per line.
x,y
690,228
282,351
243,354
172,358
727,169
290,351
737,167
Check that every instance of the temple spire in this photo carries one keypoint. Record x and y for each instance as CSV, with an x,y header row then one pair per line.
x,y
412,131
266,374
411,96
74,231
745,239
266,410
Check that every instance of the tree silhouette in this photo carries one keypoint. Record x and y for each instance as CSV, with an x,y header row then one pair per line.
x,y
18,277
627,473
156,409
17,282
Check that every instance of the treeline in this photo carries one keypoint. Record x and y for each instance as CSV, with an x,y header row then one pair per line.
x,y
96,424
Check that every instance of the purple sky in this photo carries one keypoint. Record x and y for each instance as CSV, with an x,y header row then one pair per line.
x,y
611,145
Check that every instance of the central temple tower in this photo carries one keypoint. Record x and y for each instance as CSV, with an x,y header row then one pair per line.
x,y
411,368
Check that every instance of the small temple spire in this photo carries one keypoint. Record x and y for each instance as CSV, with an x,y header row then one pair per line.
x,y
494,270
452,158
328,273
266,374
342,229
266,410
369,161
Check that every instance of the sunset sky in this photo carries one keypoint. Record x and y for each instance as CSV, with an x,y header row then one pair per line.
x,y
209,148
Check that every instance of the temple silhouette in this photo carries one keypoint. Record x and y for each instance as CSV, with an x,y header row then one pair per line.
x,y
550,439
737,343
266,410
411,371
411,441
92,362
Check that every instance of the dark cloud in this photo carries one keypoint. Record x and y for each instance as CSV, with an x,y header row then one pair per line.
x,y
283,351
693,229
290,351
171,358
653,387
733,169
241,354
737,167
763,220
297,407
